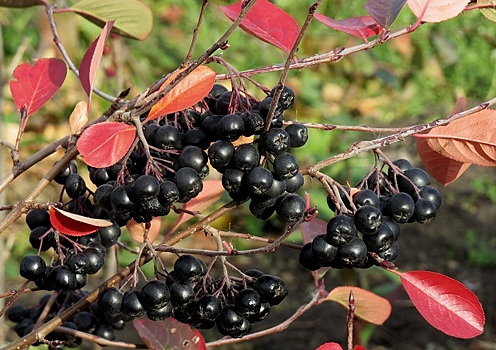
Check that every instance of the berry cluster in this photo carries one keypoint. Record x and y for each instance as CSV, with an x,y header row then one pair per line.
x,y
145,184
191,297
93,320
77,258
368,220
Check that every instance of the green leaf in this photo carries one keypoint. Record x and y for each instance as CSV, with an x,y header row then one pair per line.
x,y
19,3
133,19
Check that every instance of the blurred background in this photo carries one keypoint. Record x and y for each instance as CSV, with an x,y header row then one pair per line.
x,y
412,79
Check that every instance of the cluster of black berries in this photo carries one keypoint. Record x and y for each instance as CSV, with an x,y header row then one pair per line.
x,y
403,195
181,145
270,186
78,257
191,297
93,320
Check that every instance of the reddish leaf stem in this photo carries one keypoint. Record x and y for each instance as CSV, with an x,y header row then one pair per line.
x,y
350,320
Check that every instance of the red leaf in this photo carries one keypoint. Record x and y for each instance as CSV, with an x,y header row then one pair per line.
x,y
437,10
137,229
91,60
186,93
361,27
445,303
35,84
467,140
73,224
169,334
211,193
443,169
359,347
267,22
384,12
330,346
311,229
104,144
368,306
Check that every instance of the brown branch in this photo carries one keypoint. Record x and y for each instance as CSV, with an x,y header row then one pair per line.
x,y
279,328
287,65
358,128
99,340
364,146
53,27
196,31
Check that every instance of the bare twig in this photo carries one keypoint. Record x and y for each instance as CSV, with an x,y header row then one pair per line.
x,y
287,64
196,31
279,328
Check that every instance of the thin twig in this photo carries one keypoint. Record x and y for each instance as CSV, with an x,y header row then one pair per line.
x,y
364,146
99,340
287,64
279,328
196,31
60,46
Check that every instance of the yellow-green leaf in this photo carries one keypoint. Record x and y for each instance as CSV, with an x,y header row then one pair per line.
x,y
490,14
19,3
133,19
368,306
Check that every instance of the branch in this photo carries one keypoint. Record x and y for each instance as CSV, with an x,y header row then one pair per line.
x,y
279,328
60,46
287,65
363,146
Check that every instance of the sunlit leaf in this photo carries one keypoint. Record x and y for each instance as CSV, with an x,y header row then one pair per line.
x,y
441,168
169,334
192,89
138,229
73,224
488,13
104,144
368,306
19,3
34,85
361,27
445,303
79,117
91,61
437,10
467,140
211,193
384,12
133,18
267,22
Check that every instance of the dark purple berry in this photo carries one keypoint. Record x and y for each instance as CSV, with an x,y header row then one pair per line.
x,y
298,135
322,251
231,127
306,258
61,177
379,241
285,166
366,197
401,207
340,230
352,254
290,208
259,181
287,96
37,217
245,157
272,289
368,219
32,267
154,295
425,211
188,269
75,185
110,301
188,182
275,141
131,304
168,137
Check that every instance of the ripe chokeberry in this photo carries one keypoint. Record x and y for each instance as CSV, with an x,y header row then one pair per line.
x,y
272,289
259,180
110,301
401,207
285,166
340,230
352,254
298,135
290,208
275,141
230,127
75,185
32,267
188,182
189,269
154,295
368,219
322,251
37,217
287,96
